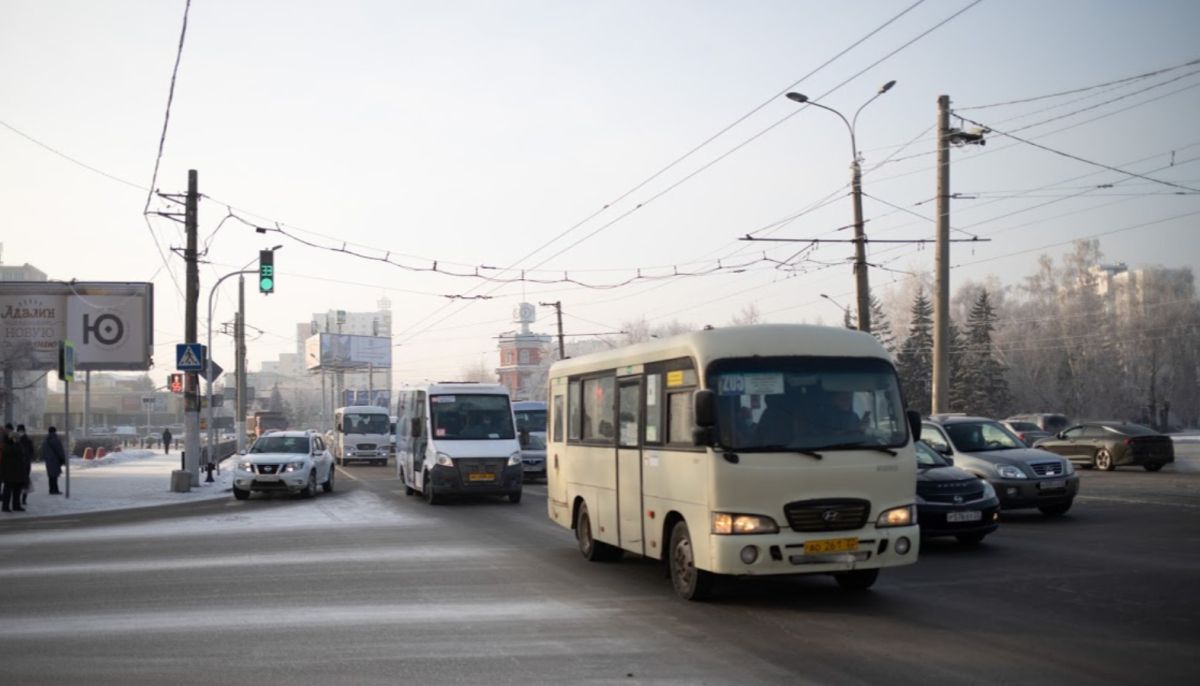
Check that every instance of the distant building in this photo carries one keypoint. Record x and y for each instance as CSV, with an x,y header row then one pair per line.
x,y
1131,292
521,356
29,389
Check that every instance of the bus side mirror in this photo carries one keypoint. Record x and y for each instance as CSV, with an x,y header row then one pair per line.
x,y
914,423
704,408
523,437
415,428
703,436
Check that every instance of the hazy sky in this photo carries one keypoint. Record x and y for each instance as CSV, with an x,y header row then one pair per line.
x,y
471,133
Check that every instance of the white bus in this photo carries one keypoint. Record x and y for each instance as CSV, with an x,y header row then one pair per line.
x,y
457,439
361,432
752,450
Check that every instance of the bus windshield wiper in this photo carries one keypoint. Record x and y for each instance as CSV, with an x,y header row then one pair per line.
x,y
858,444
782,449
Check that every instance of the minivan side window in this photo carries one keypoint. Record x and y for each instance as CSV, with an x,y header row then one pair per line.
x,y
557,429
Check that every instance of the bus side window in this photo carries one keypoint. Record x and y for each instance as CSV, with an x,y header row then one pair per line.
x,y
653,408
679,418
557,435
574,417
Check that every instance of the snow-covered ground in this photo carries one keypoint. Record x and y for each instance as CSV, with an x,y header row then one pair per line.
x,y
132,478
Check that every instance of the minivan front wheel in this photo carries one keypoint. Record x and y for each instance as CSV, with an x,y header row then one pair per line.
x,y
690,583
591,549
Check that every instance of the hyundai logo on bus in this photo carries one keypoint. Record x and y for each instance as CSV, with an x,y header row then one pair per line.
x,y
830,516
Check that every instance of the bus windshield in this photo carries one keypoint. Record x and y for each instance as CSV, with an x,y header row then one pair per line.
x,y
471,417
807,403
365,423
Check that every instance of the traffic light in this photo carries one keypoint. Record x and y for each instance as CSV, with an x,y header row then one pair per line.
x,y
266,271
175,382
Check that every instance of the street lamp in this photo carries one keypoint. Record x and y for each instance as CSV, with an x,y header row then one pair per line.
x,y
845,310
860,247
211,433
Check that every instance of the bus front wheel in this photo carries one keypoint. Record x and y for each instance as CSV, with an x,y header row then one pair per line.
x,y
689,582
593,550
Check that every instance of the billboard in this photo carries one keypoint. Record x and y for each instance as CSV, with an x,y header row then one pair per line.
x,y
336,351
381,398
110,323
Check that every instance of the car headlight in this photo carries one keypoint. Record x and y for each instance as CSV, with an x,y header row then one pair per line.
x,y
246,466
445,460
725,523
293,466
1008,471
897,516
988,491
1068,468
514,459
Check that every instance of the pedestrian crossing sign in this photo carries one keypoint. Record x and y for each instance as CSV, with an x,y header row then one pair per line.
x,y
189,357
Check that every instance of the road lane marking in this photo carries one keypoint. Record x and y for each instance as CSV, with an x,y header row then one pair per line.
x,y
1135,501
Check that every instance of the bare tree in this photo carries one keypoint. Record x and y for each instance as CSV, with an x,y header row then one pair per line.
x,y
746,316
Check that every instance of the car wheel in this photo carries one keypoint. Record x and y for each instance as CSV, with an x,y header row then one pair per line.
x,y
310,488
427,490
1152,466
1055,510
240,494
328,485
858,580
970,539
591,549
514,497
408,490
689,582
1103,460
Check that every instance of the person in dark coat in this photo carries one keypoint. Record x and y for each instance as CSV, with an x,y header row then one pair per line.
x,y
167,441
12,473
55,457
25,443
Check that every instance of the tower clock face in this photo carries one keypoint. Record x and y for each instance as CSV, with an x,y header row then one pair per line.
x,y
525,312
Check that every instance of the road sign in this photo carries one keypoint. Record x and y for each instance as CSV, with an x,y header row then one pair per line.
x,y
148,401
66,361
214,370
189,357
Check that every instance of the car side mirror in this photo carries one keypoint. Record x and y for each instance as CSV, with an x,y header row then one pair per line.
x,y
914,423
243,451
943,449
415,428
1060,435
704,409
949,460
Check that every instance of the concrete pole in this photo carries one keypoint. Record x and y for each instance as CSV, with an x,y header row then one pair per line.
x,y
191,387
239,336
87,404
941,301
860,246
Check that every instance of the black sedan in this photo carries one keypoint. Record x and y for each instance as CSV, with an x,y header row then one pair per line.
x,y
952,501
1108,445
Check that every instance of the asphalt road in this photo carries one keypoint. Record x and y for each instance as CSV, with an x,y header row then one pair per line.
x,y
367,586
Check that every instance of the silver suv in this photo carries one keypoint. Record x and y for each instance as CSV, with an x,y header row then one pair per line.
x,y
1023,477
284,462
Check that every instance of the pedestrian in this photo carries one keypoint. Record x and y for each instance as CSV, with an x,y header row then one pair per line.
x,y
25,445
55,457
167,441
12,472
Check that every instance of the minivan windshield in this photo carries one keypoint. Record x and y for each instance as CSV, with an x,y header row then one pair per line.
x,y
807,403
365,423
471,417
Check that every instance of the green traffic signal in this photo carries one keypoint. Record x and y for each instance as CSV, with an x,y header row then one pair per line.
x,y
266,271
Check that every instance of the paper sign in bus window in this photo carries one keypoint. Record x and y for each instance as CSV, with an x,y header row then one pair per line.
x,y
764,384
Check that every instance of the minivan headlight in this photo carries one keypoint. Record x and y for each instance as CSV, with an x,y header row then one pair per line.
x,y
988,491
725,524
897,516
1008,471
445,460
514,459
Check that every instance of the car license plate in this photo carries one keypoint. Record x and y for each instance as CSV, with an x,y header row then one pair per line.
x,y
830,545
967,516
481,476
1054,484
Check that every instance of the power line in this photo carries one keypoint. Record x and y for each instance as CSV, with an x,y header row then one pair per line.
x,y
1081,90
70,159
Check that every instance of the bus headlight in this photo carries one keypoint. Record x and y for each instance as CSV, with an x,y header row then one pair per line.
x,y
445,460
897,516
514,459
724,524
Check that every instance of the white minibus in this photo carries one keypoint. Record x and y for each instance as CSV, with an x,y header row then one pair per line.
x,y
361,432
457,439
747,450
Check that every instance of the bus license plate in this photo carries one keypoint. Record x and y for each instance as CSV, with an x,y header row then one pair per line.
x,y
831,545
481,476
968,516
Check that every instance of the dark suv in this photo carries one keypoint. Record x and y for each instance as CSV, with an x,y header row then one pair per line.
x,y
1023,477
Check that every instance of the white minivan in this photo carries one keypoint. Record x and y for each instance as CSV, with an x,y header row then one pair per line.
x,y
457,439
361,432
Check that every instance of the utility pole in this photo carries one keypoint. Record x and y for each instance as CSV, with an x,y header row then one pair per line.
x,y
860,245
191,387
239,347
562,346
